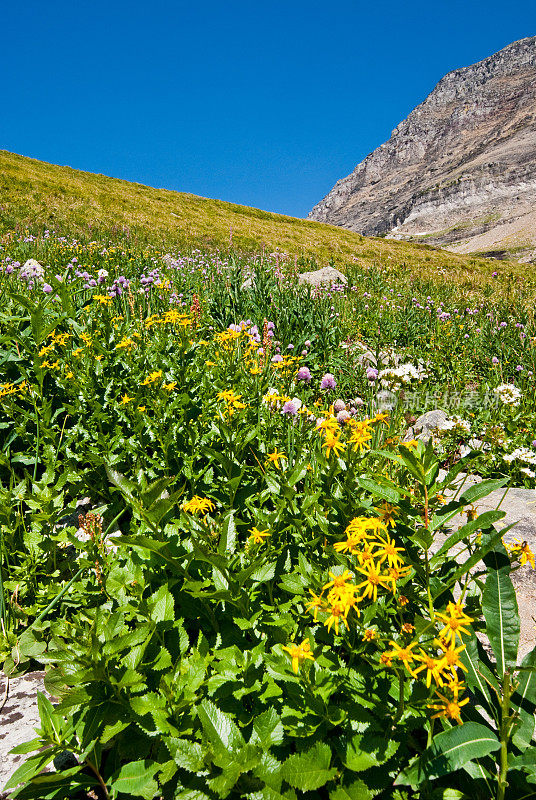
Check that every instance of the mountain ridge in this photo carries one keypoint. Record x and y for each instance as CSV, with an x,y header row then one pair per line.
x,y
462,164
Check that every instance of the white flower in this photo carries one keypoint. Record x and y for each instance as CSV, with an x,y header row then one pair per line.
x,y
397,377
508,394
522,454
529,472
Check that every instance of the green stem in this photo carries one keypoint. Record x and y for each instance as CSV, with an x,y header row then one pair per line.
x,y
504,731
103,786
36,442
56,600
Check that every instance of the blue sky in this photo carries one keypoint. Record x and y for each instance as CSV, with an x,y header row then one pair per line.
x,y
262,103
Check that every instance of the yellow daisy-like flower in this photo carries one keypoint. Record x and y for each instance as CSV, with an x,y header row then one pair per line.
x,y
337,613
332,442
450,709
275,457
386,550
152,377
387,514
455,622
373,580
434,668
368,635
198,505
315,604
126,399
521,550
451,657
404,654
257,536
169,386
360,436
299,653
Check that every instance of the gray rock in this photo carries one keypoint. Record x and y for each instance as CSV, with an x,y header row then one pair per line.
x,y
32,264
323,277
429,422
519,506
18,719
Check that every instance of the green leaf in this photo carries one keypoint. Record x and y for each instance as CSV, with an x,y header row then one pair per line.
x,y
136,779
481,489
449,751
267,729
499,605
187,754
353,791
482,522
476,672
31,767
366,749
227,543
310,770
387,492
219,727
264,573
162,605
524,700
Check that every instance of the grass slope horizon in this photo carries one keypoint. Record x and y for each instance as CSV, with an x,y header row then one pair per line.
x,y
37,195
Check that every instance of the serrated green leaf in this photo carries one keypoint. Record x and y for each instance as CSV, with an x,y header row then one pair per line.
x,y
187,755
136,779
162,605
310,770
357,790
219,727
267,729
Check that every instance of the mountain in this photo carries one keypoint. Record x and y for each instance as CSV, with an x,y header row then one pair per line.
x,y
460,171
35,195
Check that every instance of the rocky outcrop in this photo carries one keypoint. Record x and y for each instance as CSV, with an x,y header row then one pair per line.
x,y
460,171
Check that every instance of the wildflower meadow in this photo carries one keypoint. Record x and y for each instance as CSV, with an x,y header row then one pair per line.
x,y
225,540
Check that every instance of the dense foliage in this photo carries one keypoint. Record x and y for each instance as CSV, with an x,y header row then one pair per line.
x,y
240,577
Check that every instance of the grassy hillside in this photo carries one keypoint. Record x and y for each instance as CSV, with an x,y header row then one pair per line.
x,y
35,195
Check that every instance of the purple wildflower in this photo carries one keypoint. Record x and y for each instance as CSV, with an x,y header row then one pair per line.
x,y
328,381
304,374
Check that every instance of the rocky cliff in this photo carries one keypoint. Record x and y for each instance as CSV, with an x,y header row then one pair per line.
x,y
460,171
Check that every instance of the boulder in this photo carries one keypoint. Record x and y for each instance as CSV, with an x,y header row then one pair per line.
x,y
18,719
427,423
323,277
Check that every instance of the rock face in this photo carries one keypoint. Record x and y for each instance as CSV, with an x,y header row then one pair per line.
x,y
460,171
18,719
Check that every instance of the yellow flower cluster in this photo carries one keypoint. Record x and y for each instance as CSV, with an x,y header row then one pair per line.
x,y
233,401
359,432
7,389
170,317
379,565
198,505
442,665
520,550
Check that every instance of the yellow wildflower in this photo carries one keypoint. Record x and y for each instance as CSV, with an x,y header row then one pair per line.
x,y
299,653
276,457
198,505
257,536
